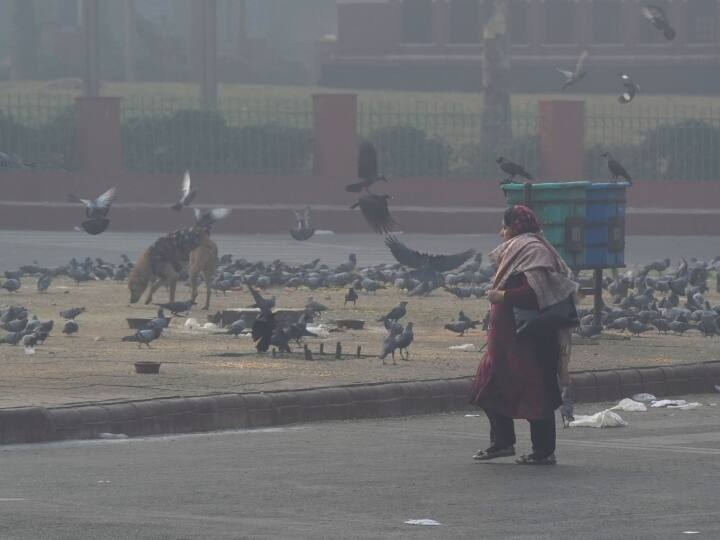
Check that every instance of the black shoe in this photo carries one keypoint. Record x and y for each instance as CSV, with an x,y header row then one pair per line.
x,y
492,453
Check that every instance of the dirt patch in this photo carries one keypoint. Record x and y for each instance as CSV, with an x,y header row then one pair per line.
x,y
96,365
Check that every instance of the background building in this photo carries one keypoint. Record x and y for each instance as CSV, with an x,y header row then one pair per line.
x,y
436,44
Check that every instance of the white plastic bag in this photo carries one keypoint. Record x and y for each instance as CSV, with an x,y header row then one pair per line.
x,y
603,419
629,405
466,347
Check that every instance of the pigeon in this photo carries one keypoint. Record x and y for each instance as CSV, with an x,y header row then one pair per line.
x,y
656,15
236,327
187,194
374,209
71,313
160,321
303,230
367,169
427,267
311,306
262,330
389,343
404,340
11,338
464,318
144,336
631,88
205,219
459,327
567,407
395,313
16,325
512,170
280,340
616,170
43,283
572,77
298,330
11,285
178,307
263,304
97,208
93,226
70,327
351,296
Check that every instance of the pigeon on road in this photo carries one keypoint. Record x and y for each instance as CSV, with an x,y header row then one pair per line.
x,y
70,328
144,336
395,313
72,312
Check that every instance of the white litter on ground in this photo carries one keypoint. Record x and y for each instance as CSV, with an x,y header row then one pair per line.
x,y
427,522
466,347
629,405
113,436
472,416
210,326
676,404
321,330
644,398
603,419
191,323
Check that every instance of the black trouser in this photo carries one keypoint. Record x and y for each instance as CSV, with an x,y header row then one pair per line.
x,y
542,433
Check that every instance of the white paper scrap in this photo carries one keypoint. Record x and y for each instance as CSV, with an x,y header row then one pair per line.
x,y
426,522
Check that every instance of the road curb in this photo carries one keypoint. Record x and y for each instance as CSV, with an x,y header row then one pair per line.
x,y
274,408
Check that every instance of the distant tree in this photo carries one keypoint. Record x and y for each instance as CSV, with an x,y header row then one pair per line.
x,y
496,73
25,42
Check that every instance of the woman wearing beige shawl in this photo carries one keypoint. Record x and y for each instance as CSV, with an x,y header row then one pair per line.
x,y
518,376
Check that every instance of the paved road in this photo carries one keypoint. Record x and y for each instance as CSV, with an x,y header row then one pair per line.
x,y
51,248
655,479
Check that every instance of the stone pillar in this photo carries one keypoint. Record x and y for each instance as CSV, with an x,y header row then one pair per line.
x,y
98,146
562,139
129,38
335,136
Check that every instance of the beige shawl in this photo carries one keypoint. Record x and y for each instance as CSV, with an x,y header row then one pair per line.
x,y
546,273
544,269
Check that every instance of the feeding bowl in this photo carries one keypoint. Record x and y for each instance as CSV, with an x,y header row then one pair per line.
x,y
137,323
148,368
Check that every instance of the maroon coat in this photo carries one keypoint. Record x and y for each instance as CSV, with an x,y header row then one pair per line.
x,y
517,376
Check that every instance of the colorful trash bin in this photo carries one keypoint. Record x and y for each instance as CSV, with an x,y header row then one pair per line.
x,y
605,225
561,208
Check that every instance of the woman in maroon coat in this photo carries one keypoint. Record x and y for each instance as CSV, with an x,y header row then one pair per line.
x,y
518,376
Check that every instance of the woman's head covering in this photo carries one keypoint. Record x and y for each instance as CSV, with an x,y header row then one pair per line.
x,y
520,219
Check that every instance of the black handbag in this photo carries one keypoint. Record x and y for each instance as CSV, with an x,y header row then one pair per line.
x,y
533,322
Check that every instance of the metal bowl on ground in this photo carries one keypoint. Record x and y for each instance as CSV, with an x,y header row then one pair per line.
x,y
148,368
350,324
137,323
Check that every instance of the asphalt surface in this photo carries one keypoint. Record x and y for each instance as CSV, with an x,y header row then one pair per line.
x,y
655,479
55,248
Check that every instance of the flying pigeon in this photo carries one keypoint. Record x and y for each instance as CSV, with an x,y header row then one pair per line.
x,y
303,230
187,194
572,77
367,169
512,170
631,88
426,267
206,219
374,209
659,19
96,208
